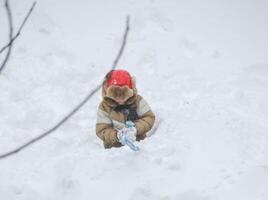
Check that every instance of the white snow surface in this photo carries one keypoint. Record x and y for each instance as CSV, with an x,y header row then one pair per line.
x,y
201,65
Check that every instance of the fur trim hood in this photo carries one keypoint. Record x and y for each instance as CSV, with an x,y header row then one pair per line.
x,y
124,92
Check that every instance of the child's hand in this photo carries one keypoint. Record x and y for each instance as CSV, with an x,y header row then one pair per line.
x,y
130,132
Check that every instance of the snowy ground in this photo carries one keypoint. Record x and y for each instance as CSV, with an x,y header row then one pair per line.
x,y
202,66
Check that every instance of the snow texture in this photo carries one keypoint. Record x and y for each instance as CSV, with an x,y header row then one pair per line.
x,y
201,65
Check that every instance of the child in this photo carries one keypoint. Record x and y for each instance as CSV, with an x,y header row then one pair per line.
x,y
121,103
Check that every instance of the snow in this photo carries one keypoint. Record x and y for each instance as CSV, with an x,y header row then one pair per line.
x,y
201,65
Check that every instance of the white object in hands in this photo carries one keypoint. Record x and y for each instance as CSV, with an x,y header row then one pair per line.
x,y
130,132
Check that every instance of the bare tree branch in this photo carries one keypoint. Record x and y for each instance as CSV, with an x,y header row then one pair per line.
x,y
11,38
82,103
10,24
122,46
20,29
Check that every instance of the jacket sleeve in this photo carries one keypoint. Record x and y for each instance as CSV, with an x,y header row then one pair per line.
x,y
146,119
105,130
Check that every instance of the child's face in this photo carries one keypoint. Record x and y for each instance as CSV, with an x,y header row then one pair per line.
x,y
121,100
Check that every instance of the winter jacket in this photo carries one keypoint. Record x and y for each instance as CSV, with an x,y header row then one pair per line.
x,y
110,120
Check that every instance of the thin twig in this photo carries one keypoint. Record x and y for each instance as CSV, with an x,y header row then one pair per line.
x,y
20,29
11,38
62,121
122,46
10,24
53,128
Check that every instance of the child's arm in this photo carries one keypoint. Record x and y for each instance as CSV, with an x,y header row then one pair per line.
x,y
146,119
105,130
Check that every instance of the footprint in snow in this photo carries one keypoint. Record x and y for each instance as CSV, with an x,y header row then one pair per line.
x,y
161,20
190,195
142,193
44,31
68,184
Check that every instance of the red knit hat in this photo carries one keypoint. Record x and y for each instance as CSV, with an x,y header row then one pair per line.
x,y
119,77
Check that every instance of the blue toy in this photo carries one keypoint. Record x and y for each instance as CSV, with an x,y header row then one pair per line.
x,y
126,141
